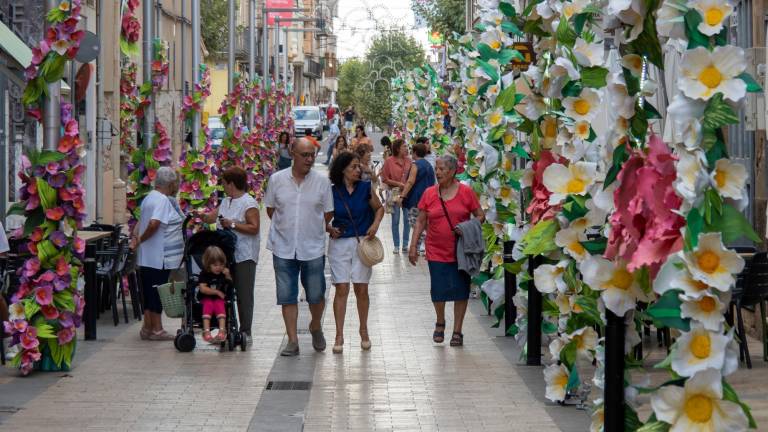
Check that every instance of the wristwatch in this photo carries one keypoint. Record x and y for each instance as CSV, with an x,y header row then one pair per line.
x,y
232,225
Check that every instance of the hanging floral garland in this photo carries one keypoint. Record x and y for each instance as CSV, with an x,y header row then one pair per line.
x,y
198,178
130,28
48,306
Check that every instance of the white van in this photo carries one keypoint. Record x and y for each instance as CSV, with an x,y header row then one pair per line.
x,y
308,120
217,130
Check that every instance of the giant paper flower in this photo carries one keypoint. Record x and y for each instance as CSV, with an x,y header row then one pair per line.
x,y
704,73
710,262
574,179
698,406
582,107
645,229
729,178
556,377
540,207
548,278
706,309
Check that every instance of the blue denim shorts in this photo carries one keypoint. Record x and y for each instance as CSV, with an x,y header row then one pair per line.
x,y
287,272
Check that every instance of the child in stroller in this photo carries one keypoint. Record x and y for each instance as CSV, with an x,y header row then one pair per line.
x,y
212,283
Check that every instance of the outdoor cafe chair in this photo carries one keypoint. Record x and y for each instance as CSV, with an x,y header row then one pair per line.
x,y
751,290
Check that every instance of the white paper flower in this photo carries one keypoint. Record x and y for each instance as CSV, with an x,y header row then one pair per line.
x,y
495,117
714,14
573,7
581,130
707,309
585,339
548,278
583,107
622,104
691,175
697,350
669,19
549,131
598,419
556,376
729,178
685,116
634,63
672,277
16,312
589,54
574,179
570,240
619,288
699,406
704,73
712,263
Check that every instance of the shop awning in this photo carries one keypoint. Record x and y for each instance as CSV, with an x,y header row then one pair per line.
x,y
17,49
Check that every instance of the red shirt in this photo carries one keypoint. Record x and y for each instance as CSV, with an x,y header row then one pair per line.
x,y
441,241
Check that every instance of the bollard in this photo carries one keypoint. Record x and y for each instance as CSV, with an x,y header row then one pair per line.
x,y
534,317
91,292
510,288
614,373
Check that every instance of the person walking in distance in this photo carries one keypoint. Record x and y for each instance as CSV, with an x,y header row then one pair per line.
x,y
299,203
394,174
333,135
349,118
421,177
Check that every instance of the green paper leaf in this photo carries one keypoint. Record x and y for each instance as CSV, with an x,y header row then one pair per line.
x,y
694,225
506,99
46,192
507,9
34,219
486,52
666,311
574,380
752,85
510,27
733,225
17,209
631,420
620,156
45,331
505,56
548,327
572,89
647,43
30,308
695,37
594,77
512,330
596,247
568,354
650,110
565,34
718,113
578,22
730,394
490,70
52,68
541,238
655,426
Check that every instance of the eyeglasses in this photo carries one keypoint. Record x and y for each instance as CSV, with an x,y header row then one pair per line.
x,y
308,155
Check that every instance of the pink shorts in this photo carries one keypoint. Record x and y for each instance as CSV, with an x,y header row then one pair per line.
x,y
213,307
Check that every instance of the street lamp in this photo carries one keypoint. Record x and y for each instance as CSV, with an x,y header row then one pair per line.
x,y
265,46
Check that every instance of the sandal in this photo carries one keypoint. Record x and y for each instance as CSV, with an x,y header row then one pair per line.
x,y
457,339
207,336
144,334
162,335
221,336
438,336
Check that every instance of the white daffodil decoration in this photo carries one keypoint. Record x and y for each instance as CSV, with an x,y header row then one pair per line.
x,y
585,339
670,277
698,350
729,178
710,262
714,14
556,376
589,54
583,107
495,38
619,288
574,179
699,406
548,278
707,309
704,73
570,240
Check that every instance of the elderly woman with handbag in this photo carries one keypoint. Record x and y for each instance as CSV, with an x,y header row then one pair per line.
x,y
357,212
442,208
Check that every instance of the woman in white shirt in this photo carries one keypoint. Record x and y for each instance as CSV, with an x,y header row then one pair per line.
x,y
160,248
240,213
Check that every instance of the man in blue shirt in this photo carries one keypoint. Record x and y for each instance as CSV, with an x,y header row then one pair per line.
x,y
333,133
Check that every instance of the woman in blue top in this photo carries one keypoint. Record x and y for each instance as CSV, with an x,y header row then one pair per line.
x,y
420,177
357,212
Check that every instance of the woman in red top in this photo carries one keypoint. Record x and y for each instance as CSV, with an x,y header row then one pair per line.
x,y
394,174
441,208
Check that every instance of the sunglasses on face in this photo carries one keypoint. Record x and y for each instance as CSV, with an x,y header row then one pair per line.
x,y
308,155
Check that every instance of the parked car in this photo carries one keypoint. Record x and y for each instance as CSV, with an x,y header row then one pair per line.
x,y
308,121
218,130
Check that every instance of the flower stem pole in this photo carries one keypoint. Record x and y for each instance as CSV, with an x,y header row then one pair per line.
x,y
264,58
534,317
52,104
195,67
510,288
614,372
147,46
231,47
252,54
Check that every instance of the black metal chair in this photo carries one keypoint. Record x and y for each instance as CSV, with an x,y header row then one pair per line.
x,y
107,262
751,290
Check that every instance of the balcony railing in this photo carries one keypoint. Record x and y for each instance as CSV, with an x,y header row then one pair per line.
x,y
313,68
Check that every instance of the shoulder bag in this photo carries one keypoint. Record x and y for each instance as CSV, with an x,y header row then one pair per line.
x,y
360,253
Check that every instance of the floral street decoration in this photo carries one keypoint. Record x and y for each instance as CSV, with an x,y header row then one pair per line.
x,y
160,65
47,308
198,177
130,28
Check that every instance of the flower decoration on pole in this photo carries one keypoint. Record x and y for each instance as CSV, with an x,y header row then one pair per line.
x,y
160,65
130,28
48,306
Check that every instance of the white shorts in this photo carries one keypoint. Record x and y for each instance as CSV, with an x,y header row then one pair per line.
x,y
346,266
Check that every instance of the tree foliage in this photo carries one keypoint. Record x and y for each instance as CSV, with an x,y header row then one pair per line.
x,y
445,16
352,77
214,26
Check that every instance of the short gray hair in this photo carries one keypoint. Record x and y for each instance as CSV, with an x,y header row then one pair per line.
x,y
449,160
165,176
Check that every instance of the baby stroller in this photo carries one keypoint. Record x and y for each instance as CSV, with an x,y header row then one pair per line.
x,y
194,247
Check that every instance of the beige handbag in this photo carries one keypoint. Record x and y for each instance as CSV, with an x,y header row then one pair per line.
x,y
370,251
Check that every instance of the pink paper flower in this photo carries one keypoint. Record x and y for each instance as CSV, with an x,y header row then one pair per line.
x,y
29,338
65,335
645,228
539,208
44,295
49,312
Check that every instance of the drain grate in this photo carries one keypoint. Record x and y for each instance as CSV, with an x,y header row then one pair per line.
x,y
9,409
289,385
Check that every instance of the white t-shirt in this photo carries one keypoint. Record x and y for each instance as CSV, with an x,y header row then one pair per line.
x,y
165,248
4,246
298,222
235,209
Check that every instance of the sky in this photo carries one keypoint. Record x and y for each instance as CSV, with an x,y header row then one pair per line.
x,y
359,20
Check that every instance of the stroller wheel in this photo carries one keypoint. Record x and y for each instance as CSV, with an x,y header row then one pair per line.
x,y
231,341
243,341
185,342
